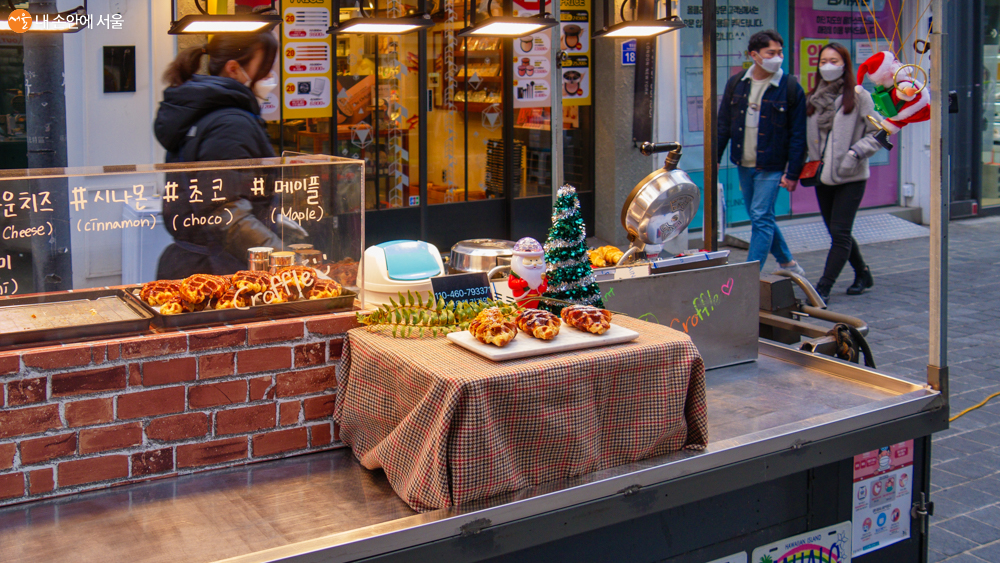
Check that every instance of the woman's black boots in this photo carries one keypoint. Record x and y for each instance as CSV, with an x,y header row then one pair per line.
x,y
862,280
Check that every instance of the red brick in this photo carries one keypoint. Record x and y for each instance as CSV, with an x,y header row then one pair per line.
x,y
307,381
55,358
89,381
33,420
261,388
336,348
310,354
320,435
151,403
163,372
49,447
338,324
10,363
41,481
214,338
114,351
149,463
178,427
89,412
275,331
7,455
215,394
12,485
247,419
158,345
216,365
98,353
80,471
93,440
211,453
336,431
26,391
280,441
263,359
289,412
134,375
319,407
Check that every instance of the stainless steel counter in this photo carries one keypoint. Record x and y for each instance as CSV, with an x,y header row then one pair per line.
x,y
325,506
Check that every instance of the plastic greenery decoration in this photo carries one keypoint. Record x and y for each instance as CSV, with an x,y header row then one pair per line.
x,y
414,315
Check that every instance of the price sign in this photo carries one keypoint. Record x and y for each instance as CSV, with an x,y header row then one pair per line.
x,y
462,287
628,52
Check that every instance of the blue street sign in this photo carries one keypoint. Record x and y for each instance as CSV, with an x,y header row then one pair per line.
x,y
628,52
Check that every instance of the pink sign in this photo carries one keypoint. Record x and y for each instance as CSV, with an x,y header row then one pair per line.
x,y
883,460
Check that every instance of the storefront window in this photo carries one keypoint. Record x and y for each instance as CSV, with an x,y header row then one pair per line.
x,y
991,104
13,126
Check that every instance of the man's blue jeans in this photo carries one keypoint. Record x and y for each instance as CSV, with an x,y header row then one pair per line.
x,y
760,191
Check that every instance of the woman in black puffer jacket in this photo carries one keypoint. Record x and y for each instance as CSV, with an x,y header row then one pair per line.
x,y
216,117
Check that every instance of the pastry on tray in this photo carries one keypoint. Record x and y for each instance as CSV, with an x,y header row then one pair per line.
x,y
160,292
233,298
325,289
605,256
200,288
295,280
492,327
252,282
180,305
543,325
587,318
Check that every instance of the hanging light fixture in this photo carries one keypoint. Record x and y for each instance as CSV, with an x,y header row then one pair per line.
x,y
205,23
372,25
51,23
641,26
508,26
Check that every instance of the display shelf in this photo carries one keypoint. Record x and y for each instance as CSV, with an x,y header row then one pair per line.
x,y
489,79
472,106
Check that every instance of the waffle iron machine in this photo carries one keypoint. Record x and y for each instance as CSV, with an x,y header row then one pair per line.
x,y
661,206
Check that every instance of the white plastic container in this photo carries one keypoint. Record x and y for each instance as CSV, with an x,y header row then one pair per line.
x,y
399,266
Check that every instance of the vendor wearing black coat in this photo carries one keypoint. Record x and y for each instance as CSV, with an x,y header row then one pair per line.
x,y
208,118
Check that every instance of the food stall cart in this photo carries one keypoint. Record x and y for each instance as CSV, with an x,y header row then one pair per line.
x,y
785,431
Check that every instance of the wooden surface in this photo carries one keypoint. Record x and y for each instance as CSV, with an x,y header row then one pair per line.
x,y
524,346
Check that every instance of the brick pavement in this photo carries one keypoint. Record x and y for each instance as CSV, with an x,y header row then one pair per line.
x,y
965,476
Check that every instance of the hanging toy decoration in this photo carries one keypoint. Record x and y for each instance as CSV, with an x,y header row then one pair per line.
x,y
527,272
899,97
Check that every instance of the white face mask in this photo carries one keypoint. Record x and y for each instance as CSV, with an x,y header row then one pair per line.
x,y
771,65
831,72
262,88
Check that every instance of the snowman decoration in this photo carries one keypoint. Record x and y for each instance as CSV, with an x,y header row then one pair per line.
x,y
527,272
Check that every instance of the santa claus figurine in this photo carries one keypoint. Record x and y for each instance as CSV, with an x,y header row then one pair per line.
x,y
527,272
899,97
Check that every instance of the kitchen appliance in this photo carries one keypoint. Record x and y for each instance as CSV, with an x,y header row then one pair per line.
x,y
660,206
399,266
480,255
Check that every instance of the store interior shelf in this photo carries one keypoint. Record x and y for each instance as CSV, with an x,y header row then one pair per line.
x,y
491,79
473,106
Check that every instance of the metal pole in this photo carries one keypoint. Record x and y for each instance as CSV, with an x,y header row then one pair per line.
x,y
556,115
937,362
709,212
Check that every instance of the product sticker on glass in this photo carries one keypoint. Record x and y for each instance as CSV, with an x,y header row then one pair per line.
x,y
305,54
882,496
534,81
828,545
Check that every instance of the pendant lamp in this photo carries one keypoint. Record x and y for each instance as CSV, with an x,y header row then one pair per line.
x,y
642,26
205,23
372,25
508,26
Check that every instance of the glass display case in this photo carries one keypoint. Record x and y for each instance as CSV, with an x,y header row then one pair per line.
x,y
189,226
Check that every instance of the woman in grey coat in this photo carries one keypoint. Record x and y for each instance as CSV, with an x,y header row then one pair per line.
x,y
839,133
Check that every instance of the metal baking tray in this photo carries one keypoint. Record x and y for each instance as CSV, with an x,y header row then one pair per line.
x,y
344,302
71,315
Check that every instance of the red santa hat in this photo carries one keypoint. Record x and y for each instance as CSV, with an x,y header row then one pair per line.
x,y
881,67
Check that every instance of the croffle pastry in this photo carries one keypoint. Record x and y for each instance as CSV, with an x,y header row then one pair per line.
x,y
542,325
587,318
491,327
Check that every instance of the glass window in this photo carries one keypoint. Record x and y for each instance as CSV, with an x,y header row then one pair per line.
x,y
991,105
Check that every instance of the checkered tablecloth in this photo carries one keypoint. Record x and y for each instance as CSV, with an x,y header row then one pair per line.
x,y
448,426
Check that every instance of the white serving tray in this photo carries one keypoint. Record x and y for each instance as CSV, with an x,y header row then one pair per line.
x,y
524,346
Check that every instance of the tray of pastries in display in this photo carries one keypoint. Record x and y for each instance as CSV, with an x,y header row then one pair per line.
x,y
533,332
209,299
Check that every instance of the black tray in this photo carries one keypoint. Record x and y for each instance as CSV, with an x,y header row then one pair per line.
x,y
344,302
86,330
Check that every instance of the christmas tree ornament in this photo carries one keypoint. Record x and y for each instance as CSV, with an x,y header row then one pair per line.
x,y
899,96
527,272
569,275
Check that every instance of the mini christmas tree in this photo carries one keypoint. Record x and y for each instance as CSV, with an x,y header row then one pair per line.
x,y
569,275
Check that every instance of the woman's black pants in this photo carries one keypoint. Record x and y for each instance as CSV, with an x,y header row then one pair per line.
x,y
839,205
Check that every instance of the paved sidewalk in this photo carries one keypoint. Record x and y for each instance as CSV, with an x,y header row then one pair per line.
x,y
965,477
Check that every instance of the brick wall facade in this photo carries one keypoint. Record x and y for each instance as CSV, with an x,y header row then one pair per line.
x,y
88,416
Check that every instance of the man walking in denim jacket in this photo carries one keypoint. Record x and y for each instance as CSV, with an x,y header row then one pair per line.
x,y
763,112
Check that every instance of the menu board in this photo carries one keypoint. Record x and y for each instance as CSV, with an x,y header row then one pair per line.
x,y
306,49
534,79
882,495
